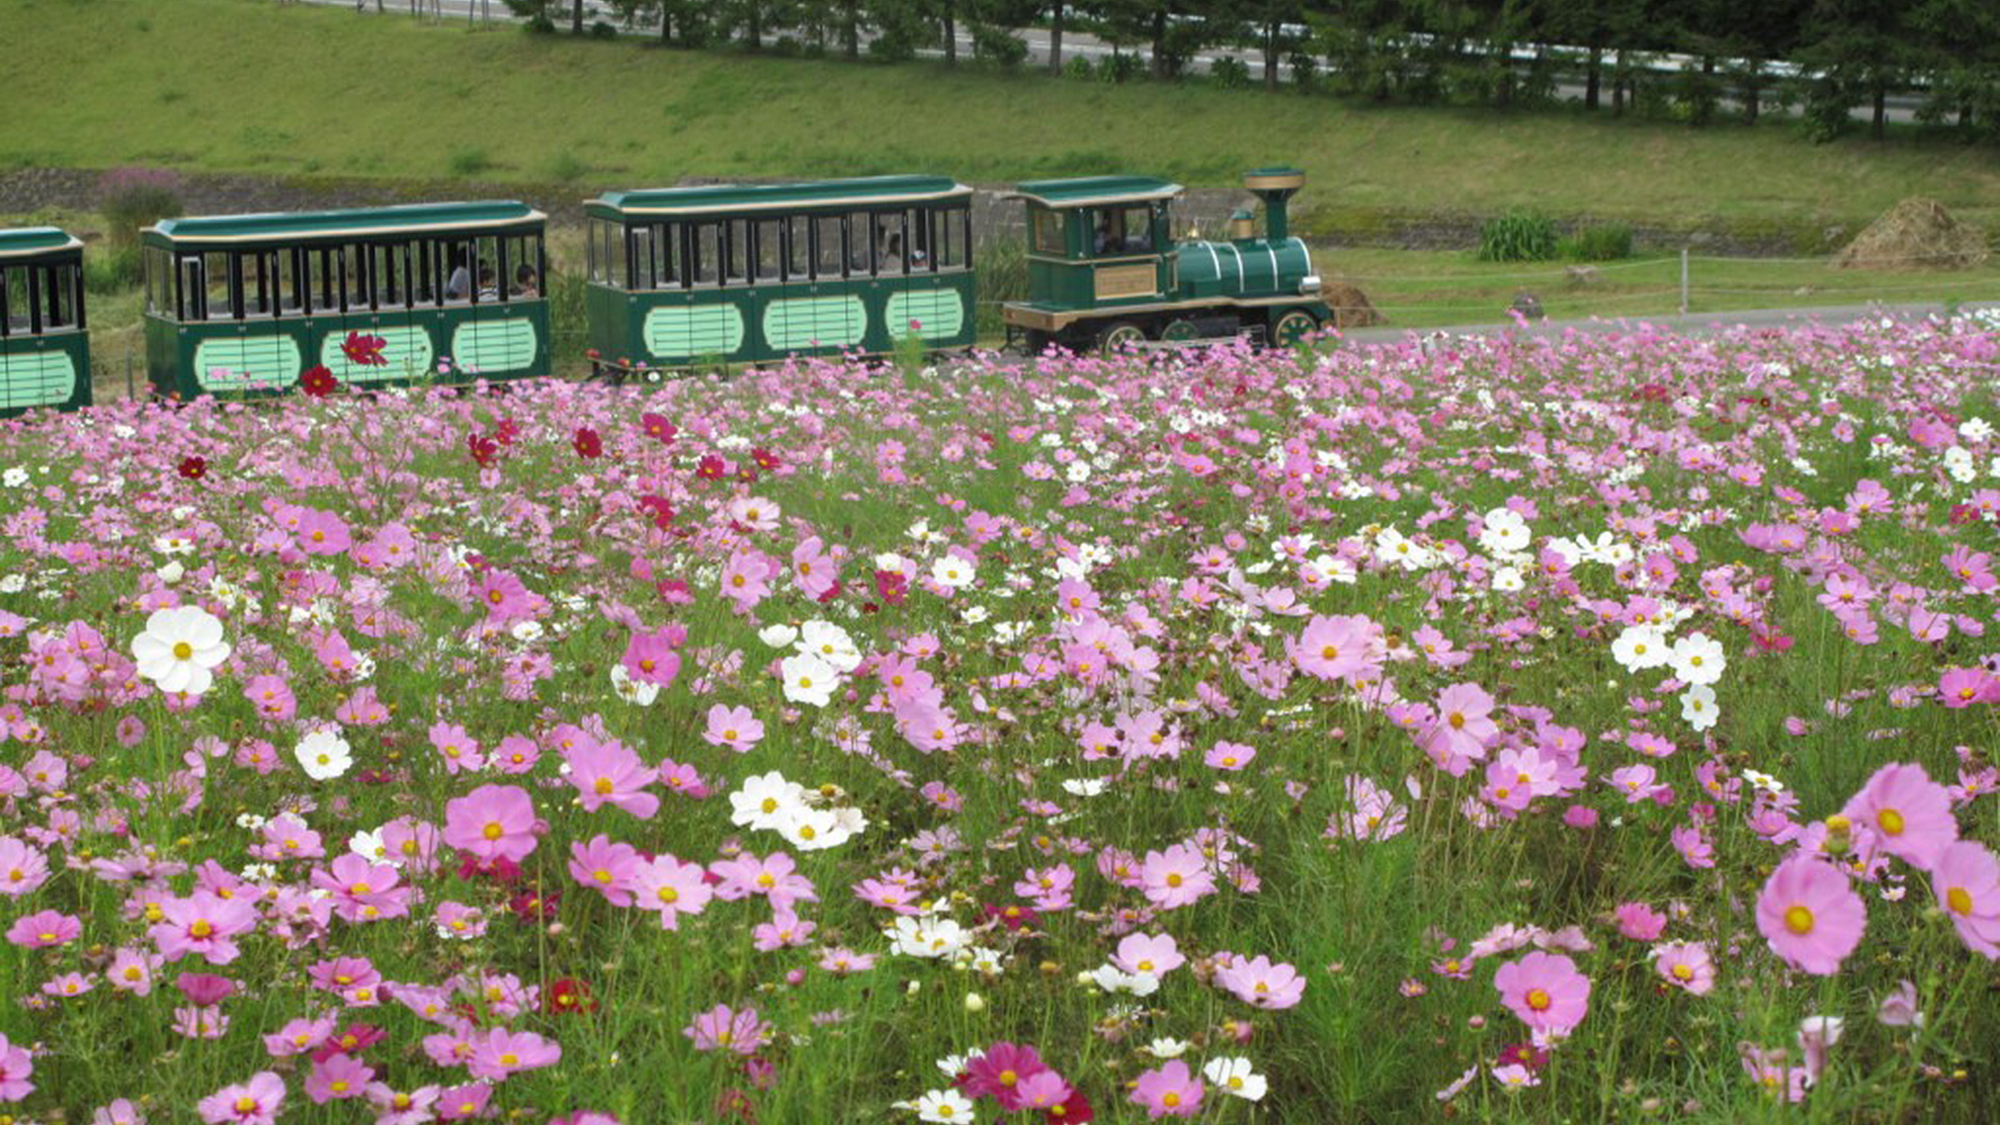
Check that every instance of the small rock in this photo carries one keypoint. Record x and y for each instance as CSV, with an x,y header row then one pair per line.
x,y
1582,275
1528,305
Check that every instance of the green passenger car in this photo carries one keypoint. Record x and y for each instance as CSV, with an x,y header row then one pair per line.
x,y
1105,273
685,277
44,350
247,304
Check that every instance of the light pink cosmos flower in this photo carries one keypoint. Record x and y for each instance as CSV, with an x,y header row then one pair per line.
x,y
1900,1008
1148,953
611,773
338,1078
120,1111
1966,877
650,658
1175,877
1262,984
1334,648
44,930
776,877
1169,1091
255,1102
491,822
1909,813
606,867
1685,965
363,891
1462,730
724,1029
23,867
15,1068
399,1107
672,888
1638,921
204,924
734,727
1810,915
1545,991
502,1053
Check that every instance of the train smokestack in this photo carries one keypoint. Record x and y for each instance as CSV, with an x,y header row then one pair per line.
x,y
1275,187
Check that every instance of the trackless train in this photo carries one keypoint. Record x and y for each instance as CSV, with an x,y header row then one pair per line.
x,y
676,278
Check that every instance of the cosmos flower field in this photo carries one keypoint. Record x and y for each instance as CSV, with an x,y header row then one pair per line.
x,y
1586,729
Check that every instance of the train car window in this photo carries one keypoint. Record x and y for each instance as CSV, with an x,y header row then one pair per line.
x,y
666,255
767,248
705,253
187,275
798,248
13,300
952,227
923,239
149,269
1136,223
1048,231
644,251
291,287
736,246
892,243
829,236
861,244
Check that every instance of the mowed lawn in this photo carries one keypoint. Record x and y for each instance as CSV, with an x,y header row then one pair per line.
x,y
252,86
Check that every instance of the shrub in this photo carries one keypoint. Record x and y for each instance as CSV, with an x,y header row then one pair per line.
x,y
133,199
1078,66
1518,236
1003,277
998,45
1230,73
603,30
111,271
567,167
469,162
1121,68
1598,244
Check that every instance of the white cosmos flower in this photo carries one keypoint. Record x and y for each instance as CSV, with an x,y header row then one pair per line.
x,y
324,755
778,636
944,1105
1167,1048
953,572
14,477
179,648
369,846
926,937
808,679
1507,579
1504,532
764,801
172,572
630,690
1112,979
1234,1076
830,643
809,829
1641,647
527,632
1698,707
1698,660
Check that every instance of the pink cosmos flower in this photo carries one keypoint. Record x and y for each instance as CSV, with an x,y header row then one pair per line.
x,y
775,877
1147,953
1966,877
1545,991
1462,730
363,891
671,887
493,822
502,1053
1175,877
606,867
23,867
255,1102
1685,965
1168,1091
1909,813
611,773
43,930
998,1073
650,658
15,1068
398,1107
204,924
1333,648
120,1111
1260,983
724,1029
338,1078
1640,922
734,727
463,1103
1810,915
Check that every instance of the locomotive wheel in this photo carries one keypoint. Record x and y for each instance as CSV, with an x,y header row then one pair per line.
x,y
1292,328
1180,331
1118,336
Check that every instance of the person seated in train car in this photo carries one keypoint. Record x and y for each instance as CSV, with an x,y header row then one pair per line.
x,y
892,255
526,284
1110,232
460,285
1139,240
489,282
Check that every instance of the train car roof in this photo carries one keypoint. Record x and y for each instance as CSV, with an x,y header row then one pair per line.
x,y
313,226
726,199
1089,191
36,242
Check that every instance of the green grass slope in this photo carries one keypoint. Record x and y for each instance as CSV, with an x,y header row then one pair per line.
x,y
251,86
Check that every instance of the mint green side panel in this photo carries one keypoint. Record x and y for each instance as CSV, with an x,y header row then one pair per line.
x,y
492,347
408,351
693,330
38,378
236,364
939,314
815,322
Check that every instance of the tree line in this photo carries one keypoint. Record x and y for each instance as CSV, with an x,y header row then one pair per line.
x,y
1825,57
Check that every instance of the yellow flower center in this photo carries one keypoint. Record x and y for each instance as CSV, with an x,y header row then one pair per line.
x,y
1538,999
1683,973
201,928
493,831
1799,920
1959,901
668,894
1890,821
183,650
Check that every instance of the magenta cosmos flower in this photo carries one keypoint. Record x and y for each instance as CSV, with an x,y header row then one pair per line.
x,y
491,822
1685,965
1810,915
1545,991
671,887
255,1102
44,929
1169,1091
999,1072
505,1052
15,1067
1908,812
606,866
611,773
1967,879
722,1028
1262,984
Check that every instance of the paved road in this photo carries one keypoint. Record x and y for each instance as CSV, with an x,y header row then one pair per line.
x,y
1692,324
1900,108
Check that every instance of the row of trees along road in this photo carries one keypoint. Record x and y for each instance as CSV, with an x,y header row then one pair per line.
x,y
1827,56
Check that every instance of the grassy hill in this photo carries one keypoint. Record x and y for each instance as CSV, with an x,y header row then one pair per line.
x,y
251,86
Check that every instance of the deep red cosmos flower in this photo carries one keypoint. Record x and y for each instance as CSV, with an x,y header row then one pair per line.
x,y
318,381
193,467
588,445
710,467
766,460
658,428
891,585
482,448
568,997
506,431
663,512
363,350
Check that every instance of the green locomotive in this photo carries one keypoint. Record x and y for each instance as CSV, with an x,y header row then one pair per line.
x,y
1104,271
44,350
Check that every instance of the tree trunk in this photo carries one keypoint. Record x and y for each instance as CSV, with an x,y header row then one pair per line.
x,y
666,22
950,35
851,31
1753,92
576,17
1593,77
1160,42
1055,37
1618,87
1271,55
756,28
1881,109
